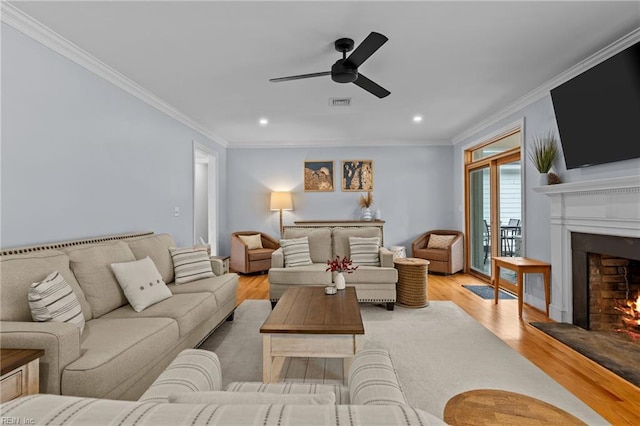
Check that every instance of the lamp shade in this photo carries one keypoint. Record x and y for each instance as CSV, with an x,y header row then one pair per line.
x,y
281,201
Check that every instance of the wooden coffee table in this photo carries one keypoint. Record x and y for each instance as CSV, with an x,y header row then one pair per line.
x,y
308,323
498,407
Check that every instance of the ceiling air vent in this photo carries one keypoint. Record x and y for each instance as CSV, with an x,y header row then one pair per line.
x,y
339,102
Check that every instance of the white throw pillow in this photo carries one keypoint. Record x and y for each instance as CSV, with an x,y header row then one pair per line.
x,y
141,283
53,299
252,241
190,264
223,397
296,252
439,241
365,251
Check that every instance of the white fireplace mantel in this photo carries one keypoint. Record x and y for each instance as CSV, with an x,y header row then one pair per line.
x,y
605,206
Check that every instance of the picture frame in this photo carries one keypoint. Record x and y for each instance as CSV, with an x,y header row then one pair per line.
x,y
357,175
318,176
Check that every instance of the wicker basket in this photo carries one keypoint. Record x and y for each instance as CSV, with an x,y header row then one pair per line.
x,y
412,282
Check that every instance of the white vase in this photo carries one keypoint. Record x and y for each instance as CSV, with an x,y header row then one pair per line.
x,y
366,214
339,281
543,179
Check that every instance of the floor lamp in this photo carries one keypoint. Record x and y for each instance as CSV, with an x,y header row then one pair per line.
x,y
281,201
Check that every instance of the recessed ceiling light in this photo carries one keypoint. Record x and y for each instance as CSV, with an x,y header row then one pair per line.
x,y
263,121
417,118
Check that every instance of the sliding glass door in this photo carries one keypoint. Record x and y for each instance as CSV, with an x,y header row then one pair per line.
x,y
493,203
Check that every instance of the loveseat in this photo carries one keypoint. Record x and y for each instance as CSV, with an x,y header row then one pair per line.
x,y
119,352
190,392
373,283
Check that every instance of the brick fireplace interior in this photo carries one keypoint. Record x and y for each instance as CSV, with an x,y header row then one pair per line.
x,y
606,273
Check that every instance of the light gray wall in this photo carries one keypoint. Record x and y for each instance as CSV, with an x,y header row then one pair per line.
x,y
539,118
412,188
82,158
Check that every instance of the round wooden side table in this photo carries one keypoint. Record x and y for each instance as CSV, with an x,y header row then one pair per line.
x,y
412,282
498,407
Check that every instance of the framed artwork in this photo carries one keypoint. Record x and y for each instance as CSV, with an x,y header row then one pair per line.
x,y
318,176
357,175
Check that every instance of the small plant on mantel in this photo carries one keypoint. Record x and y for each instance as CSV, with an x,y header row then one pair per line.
x,y
366,201
543,153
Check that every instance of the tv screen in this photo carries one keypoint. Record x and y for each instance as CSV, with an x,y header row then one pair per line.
x,y
598,111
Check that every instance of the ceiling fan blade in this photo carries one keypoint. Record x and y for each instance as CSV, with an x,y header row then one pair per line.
x,y
367,48
298,77
371,87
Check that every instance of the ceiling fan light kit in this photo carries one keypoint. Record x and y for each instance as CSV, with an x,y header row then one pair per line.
x,y
345,70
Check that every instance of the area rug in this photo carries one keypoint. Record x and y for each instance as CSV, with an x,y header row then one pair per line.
x,y
613,351
439,351
486,292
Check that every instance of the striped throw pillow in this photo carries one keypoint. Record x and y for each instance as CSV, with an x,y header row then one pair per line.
x,y
296,252
365,251
373,379
190,264
53,299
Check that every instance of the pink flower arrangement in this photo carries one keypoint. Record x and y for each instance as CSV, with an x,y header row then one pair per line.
x,y
341,265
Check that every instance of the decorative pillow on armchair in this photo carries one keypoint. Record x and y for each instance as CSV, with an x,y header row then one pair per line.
x,y
440,241
252,241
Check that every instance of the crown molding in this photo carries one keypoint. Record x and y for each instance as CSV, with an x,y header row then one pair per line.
x,y
34,29
337,143
544,89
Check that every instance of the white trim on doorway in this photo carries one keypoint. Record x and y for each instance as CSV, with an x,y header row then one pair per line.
x,y
202,153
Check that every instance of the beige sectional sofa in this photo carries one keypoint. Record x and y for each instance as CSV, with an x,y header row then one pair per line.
x,y
372,283
373,397
120,352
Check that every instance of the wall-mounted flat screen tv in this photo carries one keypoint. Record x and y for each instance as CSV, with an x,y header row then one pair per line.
x,y
598,111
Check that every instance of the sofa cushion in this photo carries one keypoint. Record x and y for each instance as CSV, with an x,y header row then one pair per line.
x,y
372,275
310,274
440,241
19,271
319,242
373,380
341,392
365,251
223,287
341,238
190,264
91,264
53,299
114,350
432,254
251,241
296,252
157,248
189,310
141,283
222,397
260,254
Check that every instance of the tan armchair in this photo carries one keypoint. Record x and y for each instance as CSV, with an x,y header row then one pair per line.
x,y
246,260
448,259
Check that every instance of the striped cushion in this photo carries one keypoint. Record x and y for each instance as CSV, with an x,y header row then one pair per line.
x,y
53,299
190,264
296,252
341,392
373,379
365,251
222,397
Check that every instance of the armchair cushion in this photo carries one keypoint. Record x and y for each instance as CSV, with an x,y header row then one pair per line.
x,y
432,254
440,241
260,254
252,241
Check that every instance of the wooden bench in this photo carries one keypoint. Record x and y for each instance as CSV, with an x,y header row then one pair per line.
x,y
521,266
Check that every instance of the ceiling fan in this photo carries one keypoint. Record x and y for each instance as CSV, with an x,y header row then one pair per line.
x,y
345,70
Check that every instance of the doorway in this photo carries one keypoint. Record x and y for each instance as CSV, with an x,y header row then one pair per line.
x,y
205,192
493,198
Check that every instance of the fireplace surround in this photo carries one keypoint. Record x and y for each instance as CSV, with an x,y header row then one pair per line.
x,y
606,207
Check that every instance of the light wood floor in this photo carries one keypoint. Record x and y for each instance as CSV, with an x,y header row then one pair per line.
x,y
613,398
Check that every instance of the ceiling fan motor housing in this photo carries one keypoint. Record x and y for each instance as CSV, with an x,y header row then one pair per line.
x,y
342,72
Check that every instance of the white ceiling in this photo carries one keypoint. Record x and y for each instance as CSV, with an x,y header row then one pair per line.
x,y
455,63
